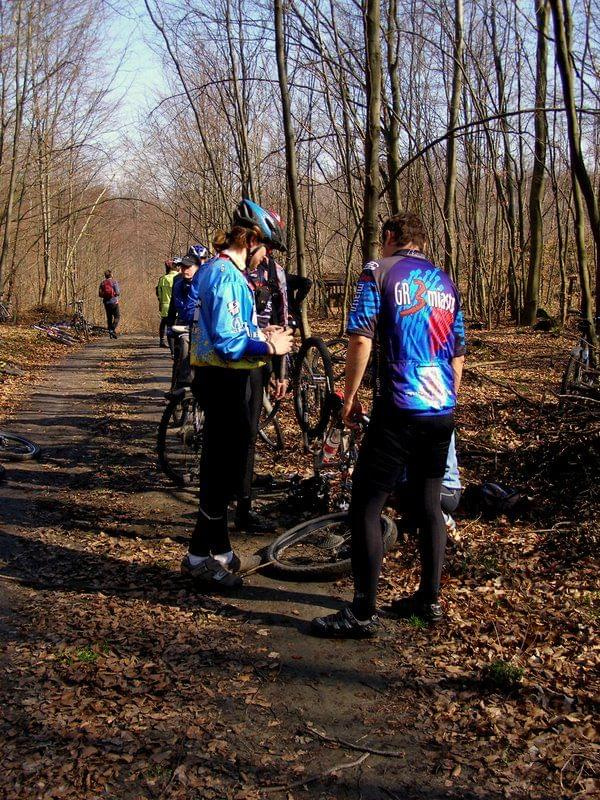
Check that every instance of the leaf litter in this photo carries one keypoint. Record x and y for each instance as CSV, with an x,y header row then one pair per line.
x,y
122,683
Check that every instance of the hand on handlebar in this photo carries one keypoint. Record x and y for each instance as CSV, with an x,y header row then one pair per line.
x,y
352,411
278,388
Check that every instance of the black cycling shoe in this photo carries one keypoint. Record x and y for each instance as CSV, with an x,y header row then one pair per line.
x,y
415,606
344,625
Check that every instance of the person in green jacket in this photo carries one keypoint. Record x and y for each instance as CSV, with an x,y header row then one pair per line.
x,y
164,289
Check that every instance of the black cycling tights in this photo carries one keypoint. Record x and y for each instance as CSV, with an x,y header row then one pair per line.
x,y
367,543
225,395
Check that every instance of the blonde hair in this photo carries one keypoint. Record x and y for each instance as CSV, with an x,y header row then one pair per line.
x,y
237,237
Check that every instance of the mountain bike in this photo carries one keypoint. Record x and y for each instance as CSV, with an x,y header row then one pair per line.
x,y
72,330
581,377
321,547
311,385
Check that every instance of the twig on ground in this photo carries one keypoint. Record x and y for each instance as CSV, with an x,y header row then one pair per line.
x,y
318,776
359,747
258,567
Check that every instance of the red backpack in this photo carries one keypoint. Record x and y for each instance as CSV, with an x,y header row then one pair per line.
x,y
107,290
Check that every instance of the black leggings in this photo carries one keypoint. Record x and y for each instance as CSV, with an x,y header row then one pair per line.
x,y
225,396
393,440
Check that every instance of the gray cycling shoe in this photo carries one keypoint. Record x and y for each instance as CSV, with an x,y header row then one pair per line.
x,y
210,574
344,625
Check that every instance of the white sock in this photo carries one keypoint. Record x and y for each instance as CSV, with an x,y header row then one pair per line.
x,y
224,558
195,560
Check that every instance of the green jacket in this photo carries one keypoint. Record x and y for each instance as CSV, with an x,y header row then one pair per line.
x,y
164,290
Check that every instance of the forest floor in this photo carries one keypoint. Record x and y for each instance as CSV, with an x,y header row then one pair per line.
x,y
120,682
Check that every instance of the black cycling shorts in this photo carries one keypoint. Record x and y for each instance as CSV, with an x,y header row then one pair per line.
x,y
397,439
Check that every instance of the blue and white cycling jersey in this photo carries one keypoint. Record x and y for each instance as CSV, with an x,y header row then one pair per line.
x,y
412,308
225,332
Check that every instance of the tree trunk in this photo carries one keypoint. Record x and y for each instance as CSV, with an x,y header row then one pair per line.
x,y
450,260
373,128
561,15
536,195
290,151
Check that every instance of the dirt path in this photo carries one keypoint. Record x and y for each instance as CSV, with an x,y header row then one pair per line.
x,y
122,683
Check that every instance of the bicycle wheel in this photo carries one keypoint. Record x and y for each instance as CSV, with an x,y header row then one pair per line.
x,y
179,441
269,428
320,548
16,448
313,386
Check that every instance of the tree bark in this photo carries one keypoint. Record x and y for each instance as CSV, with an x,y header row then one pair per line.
x,y
536,195
450,260
290,150
373,128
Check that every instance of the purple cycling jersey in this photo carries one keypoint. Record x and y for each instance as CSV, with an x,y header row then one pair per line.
x,y
412,308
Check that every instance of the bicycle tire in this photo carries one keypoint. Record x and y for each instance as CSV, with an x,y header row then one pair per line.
x,y
179,443
269,427
313,425
17,448
320,526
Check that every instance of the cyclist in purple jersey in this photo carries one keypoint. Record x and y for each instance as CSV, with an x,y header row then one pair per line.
x,y
411,309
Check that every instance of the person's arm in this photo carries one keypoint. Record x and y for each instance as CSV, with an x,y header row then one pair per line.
x,y
117,288
229,333
357,358
362,323
458,363
460,346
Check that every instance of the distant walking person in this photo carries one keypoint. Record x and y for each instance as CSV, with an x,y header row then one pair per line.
x,y
164,289
110,292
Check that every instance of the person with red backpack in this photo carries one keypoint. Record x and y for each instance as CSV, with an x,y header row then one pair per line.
x,y
109,292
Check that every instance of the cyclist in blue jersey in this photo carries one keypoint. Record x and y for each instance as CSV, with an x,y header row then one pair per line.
x,y
412,309
268,280
180,317
227,351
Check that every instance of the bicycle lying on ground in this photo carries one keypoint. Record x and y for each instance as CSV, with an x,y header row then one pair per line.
x,y
16,448
321,547
4,312
73,330
581,377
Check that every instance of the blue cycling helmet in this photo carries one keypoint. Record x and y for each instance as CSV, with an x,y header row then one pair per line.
x,y
198,251
250,215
